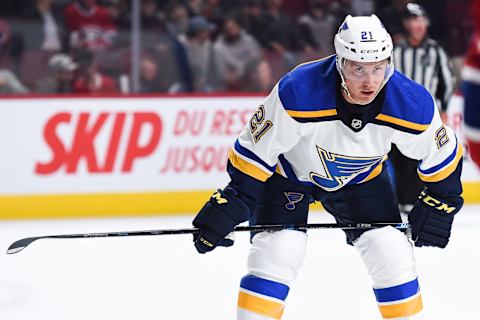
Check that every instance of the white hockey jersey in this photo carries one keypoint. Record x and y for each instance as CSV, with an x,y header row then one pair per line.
x,y
300,132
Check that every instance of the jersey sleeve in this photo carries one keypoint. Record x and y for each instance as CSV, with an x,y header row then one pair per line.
x,y
440,155
269,133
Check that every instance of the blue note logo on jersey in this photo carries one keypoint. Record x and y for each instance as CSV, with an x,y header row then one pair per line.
x,y
340,170
292,198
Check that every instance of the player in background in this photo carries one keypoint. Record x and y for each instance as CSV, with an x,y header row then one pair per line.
x,y
471,89
323,134
422,59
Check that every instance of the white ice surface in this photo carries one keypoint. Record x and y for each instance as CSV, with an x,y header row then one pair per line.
x,y
162,277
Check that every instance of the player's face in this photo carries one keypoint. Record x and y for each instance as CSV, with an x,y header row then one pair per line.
x,y
364,79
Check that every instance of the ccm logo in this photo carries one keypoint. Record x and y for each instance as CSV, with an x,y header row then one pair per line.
x,y
369,51
86,128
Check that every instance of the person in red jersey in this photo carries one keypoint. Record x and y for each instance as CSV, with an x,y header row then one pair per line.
x,y
89,79
90,25
471,89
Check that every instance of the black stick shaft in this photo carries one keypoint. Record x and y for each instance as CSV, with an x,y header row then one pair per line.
x,y
21,244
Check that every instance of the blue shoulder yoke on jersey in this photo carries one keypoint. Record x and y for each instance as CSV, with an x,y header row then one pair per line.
x,y
308,95
308,91
408,106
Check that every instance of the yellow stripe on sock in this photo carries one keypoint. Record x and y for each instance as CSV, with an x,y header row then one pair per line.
x,y
404,309
267,308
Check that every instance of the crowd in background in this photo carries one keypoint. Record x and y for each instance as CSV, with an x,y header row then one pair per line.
x,y
84,46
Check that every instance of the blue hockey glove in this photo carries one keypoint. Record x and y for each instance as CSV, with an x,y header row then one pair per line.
x,y
217,219
431,219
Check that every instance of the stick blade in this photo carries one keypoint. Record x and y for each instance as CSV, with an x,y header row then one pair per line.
x,y
21,244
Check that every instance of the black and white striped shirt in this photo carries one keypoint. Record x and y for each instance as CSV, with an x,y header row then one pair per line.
x,y
429,65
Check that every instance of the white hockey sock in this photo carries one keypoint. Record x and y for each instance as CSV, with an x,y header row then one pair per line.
x,y
388,256
273,263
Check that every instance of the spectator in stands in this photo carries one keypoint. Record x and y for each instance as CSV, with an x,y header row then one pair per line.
x,y
61,69
194,7
151,16
9,83
258,77
152,80
42,26
340,9
5,34
89,25
252,19
280,35
89,79
11,48
391,15
214,12
317,27
234,49
362,7
200,53
178,20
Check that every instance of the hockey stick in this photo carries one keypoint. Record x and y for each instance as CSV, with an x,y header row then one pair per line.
x,y
21,244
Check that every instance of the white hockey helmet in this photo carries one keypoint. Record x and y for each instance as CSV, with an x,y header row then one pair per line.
x,y
363,39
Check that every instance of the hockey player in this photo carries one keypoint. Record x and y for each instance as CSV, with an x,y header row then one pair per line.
x,y
471,89
323,134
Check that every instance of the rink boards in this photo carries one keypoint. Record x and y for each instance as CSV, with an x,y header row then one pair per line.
x,y
113,156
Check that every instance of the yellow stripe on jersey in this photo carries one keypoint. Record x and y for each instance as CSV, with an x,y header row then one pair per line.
x,y
402,310
279,170
402,123
264,307
375,172
312,114
446,171
247,168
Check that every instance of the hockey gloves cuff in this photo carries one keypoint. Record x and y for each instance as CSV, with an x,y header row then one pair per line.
x,y
217,219
431,219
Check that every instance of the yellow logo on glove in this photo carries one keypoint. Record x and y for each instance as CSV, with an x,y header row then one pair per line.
x,y
206,242
432,202
217,196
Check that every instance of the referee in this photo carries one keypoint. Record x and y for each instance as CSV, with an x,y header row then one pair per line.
x,y
421,59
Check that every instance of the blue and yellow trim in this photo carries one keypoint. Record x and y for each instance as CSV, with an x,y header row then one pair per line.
x,y
312,114
399,301
401,124
444,169
403,309
249,163
262,296
247,167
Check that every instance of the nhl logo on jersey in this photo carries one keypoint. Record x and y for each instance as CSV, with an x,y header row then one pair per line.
x,y
292,198
356,123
